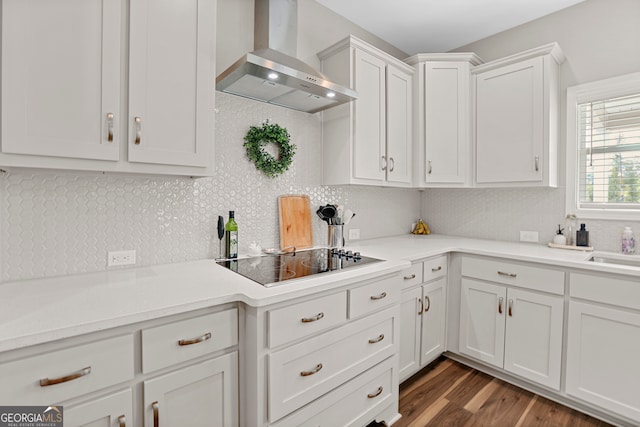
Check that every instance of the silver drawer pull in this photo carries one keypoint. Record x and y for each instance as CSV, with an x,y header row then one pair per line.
x,y
510,310
421,306
427,300
156,415
122,421
393,164
376,394
313,318
311,372
110,127
378,339
197,340
537,163
138,123
413,276
430,168
500,305
438,268
74,376
502,273
379,296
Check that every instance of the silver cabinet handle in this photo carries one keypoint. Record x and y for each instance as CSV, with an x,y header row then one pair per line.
x,y
537,163
393,164
435,269
383,163
312,371
110,127
421,307
510,308
502,273
427,301
45,382
122,421
156,414
377,339
500,304
430,169
312,318
375,394
138,121
413,276
377,297
197,340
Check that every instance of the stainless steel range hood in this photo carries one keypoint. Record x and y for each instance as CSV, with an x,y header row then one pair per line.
x,y
272,73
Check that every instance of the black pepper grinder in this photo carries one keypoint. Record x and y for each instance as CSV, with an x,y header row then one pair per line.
x,y
582,236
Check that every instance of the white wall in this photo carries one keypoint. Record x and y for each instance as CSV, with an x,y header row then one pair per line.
x,y
601,39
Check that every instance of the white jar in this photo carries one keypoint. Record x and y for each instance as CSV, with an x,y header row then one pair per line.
x,y
628,241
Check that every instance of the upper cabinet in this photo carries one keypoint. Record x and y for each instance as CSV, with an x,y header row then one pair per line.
x,y
63,102
368,141
442,111
516,119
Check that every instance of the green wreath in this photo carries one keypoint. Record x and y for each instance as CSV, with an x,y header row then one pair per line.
x,y
268,133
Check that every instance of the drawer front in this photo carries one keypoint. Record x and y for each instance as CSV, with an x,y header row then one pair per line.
x,y
435,268
373,296
510,273
620,292
180,341
70,372
306,318
412,275
352,404
303,372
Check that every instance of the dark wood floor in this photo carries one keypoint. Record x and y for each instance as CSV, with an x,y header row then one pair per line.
x,y
447,393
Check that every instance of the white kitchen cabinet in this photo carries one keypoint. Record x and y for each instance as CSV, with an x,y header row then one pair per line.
x,y
114,410
442,111
63,69
204,394
603,343
516,119
422,317
509,327
368,141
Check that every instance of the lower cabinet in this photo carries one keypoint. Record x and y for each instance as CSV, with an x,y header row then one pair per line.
x,y
201,395
604,344
109,411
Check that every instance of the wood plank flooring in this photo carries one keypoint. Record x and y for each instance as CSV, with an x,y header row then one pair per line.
x,y
447,393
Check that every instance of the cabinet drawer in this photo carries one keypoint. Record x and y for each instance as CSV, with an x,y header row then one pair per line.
x,y
306,318
435,268
511,273
351,404
412,275
70,372
180,341
312,368
607,290
373,296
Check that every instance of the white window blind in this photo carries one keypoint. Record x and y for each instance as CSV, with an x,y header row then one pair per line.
x,y
609,153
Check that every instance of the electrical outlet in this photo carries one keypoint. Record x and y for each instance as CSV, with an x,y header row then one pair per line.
x,y
529,236
354,234
121,258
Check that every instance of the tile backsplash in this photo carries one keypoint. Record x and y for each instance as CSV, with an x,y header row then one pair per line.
x,y
57,223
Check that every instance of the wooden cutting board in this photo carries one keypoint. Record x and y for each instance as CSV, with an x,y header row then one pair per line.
x,y
295,221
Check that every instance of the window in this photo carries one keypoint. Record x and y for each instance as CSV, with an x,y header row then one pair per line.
x,y
603,148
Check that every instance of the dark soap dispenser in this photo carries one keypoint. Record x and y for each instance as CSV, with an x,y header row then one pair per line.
x,y
582,236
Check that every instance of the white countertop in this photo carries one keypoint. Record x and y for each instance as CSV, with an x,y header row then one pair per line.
x,y
43,310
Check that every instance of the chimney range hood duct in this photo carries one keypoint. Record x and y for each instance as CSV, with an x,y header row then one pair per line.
x,y
272,73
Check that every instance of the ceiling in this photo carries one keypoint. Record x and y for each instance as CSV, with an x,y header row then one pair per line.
x,y
427,26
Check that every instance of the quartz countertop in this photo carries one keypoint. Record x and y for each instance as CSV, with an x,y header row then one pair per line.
x,y
48,309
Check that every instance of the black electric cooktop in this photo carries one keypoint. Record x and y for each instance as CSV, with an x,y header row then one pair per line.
x,y
272,270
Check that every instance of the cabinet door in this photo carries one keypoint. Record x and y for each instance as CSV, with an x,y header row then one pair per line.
x,y
201,395
411,309
533,341
61,78
446,122
602,357
370,121
399,128
482,321
171,81
433,321
509,123
114,410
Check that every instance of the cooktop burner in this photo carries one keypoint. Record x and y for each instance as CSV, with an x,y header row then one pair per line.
x,y
272,270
